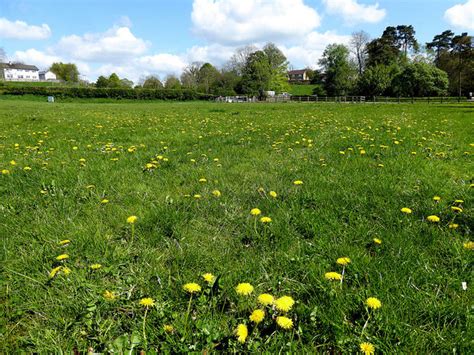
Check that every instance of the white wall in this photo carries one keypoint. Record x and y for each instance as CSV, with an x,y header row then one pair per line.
x,y
21,75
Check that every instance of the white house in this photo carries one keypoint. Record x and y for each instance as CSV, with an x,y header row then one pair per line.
x,y
47,75
18,72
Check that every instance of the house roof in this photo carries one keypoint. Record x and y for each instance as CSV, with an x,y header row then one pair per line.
x,y
296,72
18,66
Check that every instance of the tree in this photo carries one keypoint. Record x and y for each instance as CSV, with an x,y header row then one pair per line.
x,y
406,38
114,81
462,49
65,71
421,79
189,77
358,46
339,70
279,68
102,82
152,82
172,83
381,51
227,84
207,78
394,42
441,44
375,80
239,59
126,83
257,74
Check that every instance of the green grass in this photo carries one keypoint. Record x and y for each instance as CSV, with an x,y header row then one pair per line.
x,y
244,151
301,90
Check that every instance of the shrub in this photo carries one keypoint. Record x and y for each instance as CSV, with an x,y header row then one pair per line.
x,y
112,93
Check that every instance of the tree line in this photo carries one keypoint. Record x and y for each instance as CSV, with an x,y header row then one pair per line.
x,y
394,64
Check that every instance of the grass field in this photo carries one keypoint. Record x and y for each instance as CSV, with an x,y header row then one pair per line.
x,y
301,90
78,273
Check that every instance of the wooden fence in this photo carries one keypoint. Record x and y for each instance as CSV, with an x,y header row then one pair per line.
x,y
379,99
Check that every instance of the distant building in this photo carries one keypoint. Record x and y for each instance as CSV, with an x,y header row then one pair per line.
x,y
47,75
298,76
18,72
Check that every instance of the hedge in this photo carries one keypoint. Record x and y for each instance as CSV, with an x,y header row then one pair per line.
x,y
123,93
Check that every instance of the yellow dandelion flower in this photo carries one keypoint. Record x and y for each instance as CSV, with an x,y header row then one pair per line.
x,y
453,225
377,241
273,194
373,303
62,257
64,242
265,219
255,212
104,201
5,172
147,302
242,333
244,289
284,303
257,316
469,245
27,168
202,180
197,196
132,219
456,209
367,348
406,210
265,299
208,277
284,322
54,272
12,162
168,328
333,276
433,218
297,182
66,271
192,287
216,193
436,198
109,295
95,266
343,261
458,201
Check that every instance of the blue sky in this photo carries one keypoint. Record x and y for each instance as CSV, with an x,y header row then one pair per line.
x,y
142,37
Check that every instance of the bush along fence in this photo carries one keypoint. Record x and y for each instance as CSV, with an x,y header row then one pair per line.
x,y
378,99
119,93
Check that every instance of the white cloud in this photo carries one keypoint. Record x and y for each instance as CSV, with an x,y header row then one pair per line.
x,y
116,45
32,56
161,64
21,30
214,53
311,49
244,21
352,12
461,15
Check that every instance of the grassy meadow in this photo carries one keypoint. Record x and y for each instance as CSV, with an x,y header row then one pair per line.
x,y
78,273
